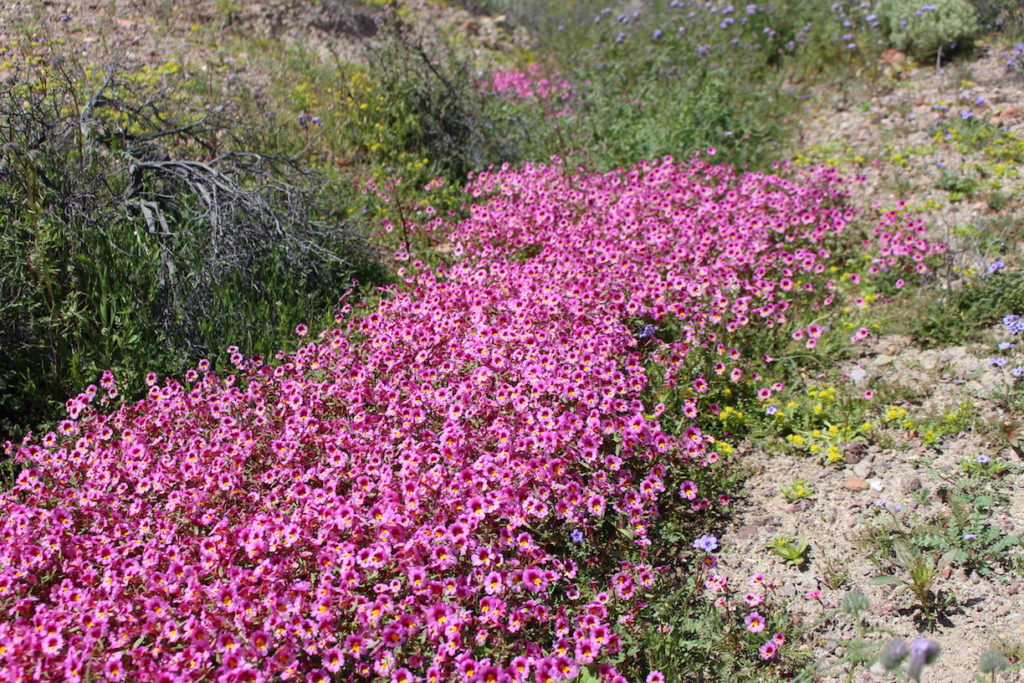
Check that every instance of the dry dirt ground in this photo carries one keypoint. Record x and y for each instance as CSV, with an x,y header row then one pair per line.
x,y
151,32
862,134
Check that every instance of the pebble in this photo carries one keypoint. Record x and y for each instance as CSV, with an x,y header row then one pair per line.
x,y
910,484
1013,588
856,484
800,505
863,469
882,608
876,484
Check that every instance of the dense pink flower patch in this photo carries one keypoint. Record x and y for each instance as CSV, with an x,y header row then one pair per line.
x,y
396,498
530,84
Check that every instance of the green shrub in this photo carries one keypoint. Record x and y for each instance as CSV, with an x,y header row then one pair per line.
x,y
136,235
960,315
929,29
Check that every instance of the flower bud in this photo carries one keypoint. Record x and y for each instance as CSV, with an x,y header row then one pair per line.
x,y
893,655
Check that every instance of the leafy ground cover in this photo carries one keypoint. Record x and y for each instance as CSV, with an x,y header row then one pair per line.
x,y
583,433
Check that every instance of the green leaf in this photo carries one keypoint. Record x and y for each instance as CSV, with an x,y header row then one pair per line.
x,y
886,581
585,676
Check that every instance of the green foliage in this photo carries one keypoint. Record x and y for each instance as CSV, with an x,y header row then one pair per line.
x,y
958,185
925,30
958,316
1000,14
430,105
797,490
691,638
120,249
792,550
912,550
916,572
934,428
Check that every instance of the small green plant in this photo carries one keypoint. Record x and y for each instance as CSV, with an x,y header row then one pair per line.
x,y
862,651
959,315
792,550
991,663
996,200
958,185
919,570
797,490
929,31
835,573
933,429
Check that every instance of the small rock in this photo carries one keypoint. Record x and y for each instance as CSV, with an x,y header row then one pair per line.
x,y
975,578
853,451
748,531
876,484
1007,114
1002,611
800,505
1013,588
856,484
863,469
830,516
910,484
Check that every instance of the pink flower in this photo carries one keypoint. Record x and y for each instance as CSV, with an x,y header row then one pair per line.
x,y
754,622
333,660
753,599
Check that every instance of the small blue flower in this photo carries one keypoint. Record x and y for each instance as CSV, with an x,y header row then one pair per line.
x,y
982,459
967,115
707,543
576,536
995,267
970,537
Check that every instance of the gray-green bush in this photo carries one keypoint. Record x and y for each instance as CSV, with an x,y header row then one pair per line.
x,y
929,30
138,236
